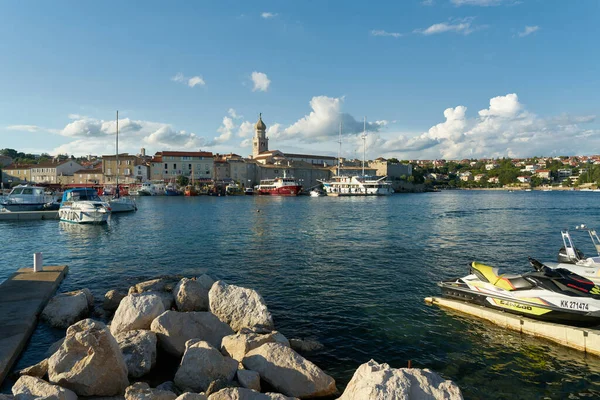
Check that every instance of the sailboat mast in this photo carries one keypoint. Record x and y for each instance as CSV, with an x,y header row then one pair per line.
x,y
340,150
364,138
117,188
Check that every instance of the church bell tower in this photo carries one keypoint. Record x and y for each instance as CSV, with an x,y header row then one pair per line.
x,y
260,142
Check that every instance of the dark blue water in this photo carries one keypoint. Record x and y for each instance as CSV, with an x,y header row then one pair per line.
x,y
349,272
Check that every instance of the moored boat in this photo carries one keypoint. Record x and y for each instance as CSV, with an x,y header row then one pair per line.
x,y
317,193
279,187
358,186
83,206
28,198
553,295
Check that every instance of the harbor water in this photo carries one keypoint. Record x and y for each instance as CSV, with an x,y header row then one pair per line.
x,y
349,272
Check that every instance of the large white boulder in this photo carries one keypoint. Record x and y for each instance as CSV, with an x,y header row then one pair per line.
x,y
136,311
190,295
165,284
29,387
236,346
246,394
65,309
139,351
288,372
142,391
202,364
89,362
378,381
240,307
175,328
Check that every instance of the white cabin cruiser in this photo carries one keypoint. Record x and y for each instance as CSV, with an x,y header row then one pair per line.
x,y
83,206
573,259
28,198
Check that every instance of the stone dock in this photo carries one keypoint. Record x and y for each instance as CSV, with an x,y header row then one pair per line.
x,y
583,339
28,215
23,296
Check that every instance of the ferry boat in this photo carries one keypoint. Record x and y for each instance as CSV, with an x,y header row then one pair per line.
x,y
358,185
28,198
279,187
83,206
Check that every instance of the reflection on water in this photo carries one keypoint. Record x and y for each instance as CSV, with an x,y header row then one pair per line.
x,y
350,272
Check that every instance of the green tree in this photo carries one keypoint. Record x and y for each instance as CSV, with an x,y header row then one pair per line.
x,y
182,180
393,160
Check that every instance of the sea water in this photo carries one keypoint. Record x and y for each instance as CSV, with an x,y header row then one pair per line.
x,y
350,272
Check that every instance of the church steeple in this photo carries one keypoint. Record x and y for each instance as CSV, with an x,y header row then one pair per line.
x,y
260,142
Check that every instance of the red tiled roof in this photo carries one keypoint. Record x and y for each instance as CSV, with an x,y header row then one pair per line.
x,y
186,153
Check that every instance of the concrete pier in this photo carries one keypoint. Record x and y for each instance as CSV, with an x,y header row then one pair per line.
x,y
23,296
28,215
583,339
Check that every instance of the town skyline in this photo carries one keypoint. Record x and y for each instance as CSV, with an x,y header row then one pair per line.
x,y
436,79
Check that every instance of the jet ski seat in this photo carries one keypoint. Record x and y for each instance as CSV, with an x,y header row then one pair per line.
x,y
504,281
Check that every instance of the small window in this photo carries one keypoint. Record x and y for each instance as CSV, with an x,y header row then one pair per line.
x,y
166,166
174,166
190,166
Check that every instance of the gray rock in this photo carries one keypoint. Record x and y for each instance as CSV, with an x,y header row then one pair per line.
x,y
38,370
202,364
89,296
29,387
247,394
165,284
54,347
141,391
167,299
89,362
206,281
139,351
249,379
112,299
240,307
136,311
378,381
219,384
236,346
6,396
190,295
288,372
65,309
305,345
174,329
192,396
170,386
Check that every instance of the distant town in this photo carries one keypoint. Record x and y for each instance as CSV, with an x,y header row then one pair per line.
x,y
206,168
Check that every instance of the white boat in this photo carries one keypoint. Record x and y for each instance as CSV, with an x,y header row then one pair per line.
x,y
28,198
317,193
120,204
83,206
147,189
357,185
573,259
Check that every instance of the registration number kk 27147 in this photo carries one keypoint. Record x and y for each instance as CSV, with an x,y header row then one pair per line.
x,y
574,305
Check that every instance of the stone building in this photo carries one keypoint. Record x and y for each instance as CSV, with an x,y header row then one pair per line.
x,y
168,165
88,177
54,172
125,169
260,142
16,173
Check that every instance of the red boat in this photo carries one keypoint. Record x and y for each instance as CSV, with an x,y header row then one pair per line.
x,y
279,187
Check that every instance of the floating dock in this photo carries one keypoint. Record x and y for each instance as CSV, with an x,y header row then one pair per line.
x,y
23,296
28,215
583,339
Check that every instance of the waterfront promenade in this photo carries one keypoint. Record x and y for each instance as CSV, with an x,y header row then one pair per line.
x,y
23,296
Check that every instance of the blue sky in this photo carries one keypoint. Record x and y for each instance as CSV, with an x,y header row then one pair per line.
x,y
435,79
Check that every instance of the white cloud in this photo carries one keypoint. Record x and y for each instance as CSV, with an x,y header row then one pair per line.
x,y
267,15
261,81
196,80
375,32
463,26
77,116
226,130
191,82
23,128
505,128
529,30
323,122
233,114
246,129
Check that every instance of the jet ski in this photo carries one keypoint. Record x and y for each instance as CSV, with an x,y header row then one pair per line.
x,y
547,294
573,259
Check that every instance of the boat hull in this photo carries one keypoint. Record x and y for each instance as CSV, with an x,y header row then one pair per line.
x,y
16,207
122,205
280,191
83,217
518,307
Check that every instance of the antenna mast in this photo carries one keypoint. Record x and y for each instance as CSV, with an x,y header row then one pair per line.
x,y
117,194
364,138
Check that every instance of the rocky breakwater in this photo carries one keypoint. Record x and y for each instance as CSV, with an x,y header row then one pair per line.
x,y
203,340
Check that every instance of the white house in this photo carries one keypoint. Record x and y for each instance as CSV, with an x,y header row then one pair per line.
x,y
51,172
524,179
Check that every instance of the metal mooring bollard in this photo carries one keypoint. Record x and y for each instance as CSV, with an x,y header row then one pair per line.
x,y
38,262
